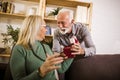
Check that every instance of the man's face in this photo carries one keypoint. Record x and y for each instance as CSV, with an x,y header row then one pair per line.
x,y
64,24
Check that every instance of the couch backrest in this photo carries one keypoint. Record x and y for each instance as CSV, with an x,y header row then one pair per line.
x,y
98,67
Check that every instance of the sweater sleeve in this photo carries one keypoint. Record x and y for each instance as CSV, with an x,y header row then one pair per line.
x,y
18,68
65,65
90,49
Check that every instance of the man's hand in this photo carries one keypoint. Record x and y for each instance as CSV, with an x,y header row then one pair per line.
x,y
77,50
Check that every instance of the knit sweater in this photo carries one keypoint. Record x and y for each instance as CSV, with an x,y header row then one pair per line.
x,y
24,64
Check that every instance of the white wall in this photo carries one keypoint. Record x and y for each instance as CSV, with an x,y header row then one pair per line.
x,y
106,25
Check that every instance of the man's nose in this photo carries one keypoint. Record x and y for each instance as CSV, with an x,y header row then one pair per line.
x,y
60,25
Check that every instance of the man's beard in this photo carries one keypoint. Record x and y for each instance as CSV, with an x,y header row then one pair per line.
x,y
64,30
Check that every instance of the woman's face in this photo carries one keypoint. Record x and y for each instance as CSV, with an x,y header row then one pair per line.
x,y
42,32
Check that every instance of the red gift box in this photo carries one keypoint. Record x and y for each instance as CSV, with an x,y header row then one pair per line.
x,y
67,51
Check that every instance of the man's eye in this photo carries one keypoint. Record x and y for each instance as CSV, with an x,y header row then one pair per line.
x,y
58,22
62,22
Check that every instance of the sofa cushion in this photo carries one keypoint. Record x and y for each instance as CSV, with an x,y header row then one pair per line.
x,y
98,67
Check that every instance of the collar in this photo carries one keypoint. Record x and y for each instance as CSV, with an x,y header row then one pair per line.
x,y
73,29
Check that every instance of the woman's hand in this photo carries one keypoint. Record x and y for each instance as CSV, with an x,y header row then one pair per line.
x,y
50,64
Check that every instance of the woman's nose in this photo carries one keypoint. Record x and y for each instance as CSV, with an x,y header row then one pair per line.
x,y
46,30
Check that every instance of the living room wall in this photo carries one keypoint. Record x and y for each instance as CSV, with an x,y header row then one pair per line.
x,y
106,26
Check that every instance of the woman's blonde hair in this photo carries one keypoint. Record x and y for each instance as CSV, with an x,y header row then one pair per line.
x,y
29,30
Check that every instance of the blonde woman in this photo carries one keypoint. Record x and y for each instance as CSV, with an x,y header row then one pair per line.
x,y
33,60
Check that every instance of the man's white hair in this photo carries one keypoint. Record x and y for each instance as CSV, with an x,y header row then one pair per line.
x,y
69,11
